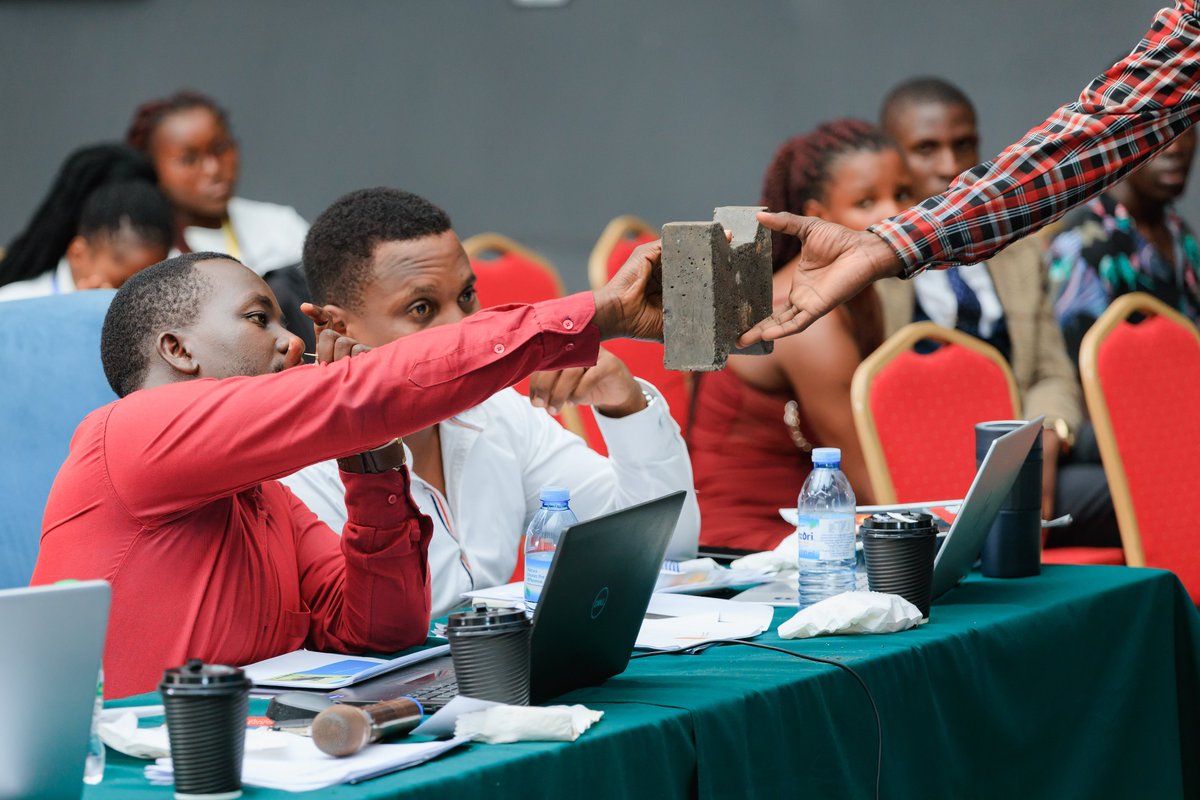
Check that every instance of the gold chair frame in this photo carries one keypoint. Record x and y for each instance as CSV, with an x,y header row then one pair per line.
x,y
1114,468
617,229
860,392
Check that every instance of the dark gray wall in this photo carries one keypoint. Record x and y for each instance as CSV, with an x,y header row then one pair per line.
x,y
539,123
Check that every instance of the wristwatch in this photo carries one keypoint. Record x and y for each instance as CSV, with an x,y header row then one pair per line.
x,y
373,462
1066,437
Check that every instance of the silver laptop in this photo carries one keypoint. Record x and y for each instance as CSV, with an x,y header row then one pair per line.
x,y
592,606
981,506
53,642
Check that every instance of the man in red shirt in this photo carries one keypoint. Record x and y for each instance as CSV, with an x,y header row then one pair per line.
x,y
169,493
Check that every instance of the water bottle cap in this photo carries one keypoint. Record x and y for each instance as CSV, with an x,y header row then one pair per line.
x,y
554,494
826,456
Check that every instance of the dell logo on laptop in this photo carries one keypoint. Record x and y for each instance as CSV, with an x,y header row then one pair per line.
x,y
599,602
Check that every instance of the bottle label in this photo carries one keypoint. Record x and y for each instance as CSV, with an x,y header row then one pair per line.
x,y
826,538
537,564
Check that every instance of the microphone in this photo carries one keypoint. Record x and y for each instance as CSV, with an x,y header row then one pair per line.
x,y
343,730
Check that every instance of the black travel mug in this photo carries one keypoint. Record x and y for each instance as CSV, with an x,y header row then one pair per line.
x,y
490,650
899,550
206,706
1013,548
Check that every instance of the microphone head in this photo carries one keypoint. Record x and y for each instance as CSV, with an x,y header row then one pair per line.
x,y
341,730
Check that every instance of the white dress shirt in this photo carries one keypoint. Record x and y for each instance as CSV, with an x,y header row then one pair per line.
x,y
936,297
496,458
269,236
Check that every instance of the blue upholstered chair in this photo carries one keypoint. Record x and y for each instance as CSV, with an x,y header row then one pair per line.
x,y
52,378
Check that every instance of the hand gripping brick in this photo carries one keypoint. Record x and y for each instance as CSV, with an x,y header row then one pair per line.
x,y
713,289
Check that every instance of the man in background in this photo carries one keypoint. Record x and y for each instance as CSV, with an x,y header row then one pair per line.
x,y
1005,302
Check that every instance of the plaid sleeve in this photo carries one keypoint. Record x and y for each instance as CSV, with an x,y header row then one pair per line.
x,y
1121,119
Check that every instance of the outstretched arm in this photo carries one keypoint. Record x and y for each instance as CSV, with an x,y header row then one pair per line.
x,y
1119,121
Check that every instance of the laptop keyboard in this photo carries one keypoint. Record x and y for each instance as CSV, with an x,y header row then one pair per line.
x,y
436,694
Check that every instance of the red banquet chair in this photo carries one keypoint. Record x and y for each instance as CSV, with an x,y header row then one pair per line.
x,y
1140,365
508,272
916,414
644,359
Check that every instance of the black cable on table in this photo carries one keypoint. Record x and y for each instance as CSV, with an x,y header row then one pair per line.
x,y
704,646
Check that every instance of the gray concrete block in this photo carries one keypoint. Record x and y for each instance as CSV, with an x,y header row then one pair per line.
x,y
713,289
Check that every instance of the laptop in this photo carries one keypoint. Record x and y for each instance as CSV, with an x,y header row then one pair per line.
x,y
587,621
981,506
53,642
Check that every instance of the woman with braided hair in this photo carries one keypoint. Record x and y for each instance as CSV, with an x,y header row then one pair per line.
x,y
102,220
755,422
188,139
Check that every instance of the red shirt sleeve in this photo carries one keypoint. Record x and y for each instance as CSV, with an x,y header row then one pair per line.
x,y
173,448
375,596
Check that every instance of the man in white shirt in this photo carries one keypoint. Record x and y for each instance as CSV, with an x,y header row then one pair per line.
x,y
382,264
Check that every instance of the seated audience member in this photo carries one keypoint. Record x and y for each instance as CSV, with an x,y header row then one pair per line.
x,y
1129,239
384,264
169,492
1006,302
102,221
188,138
755,422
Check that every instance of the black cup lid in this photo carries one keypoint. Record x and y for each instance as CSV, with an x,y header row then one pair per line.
x,y
196,673
484,617
898,521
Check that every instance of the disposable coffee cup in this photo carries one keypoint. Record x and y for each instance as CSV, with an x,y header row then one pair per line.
x,y
206,707
1013,548
899,550
490,650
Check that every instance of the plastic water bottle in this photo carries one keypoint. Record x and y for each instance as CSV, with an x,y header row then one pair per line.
x,y
93,768
541,540
825,517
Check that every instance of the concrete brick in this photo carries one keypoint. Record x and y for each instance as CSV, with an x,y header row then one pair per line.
x,y
714,289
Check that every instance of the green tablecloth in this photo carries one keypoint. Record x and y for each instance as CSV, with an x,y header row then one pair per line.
x,y
1082,682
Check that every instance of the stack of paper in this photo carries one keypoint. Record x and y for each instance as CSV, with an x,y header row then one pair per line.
x,y
677,622
298,766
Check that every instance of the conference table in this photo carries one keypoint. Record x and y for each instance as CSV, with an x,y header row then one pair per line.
x,y
1081,682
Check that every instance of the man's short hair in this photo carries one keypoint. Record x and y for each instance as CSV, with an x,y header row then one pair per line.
x,y
160,298
339,248
922,91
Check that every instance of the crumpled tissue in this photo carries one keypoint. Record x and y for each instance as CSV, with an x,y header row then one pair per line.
x,y
504,724
122,734
785,556
852,612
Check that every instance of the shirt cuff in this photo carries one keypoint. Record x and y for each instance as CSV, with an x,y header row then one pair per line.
x,y
647,435
380,500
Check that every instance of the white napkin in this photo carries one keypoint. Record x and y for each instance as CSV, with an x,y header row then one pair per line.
x,y
852,612
786,555
503,724
122,733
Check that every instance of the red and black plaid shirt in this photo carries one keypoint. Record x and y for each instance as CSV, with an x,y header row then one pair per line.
x,y
1122,118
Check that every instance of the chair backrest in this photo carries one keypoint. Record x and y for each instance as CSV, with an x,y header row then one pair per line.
x,y
50,357
507,272
616,243
1141,381
915,413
